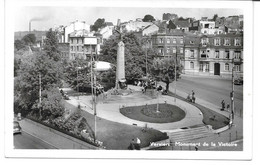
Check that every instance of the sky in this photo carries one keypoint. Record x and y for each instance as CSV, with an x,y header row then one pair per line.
x,y
46,17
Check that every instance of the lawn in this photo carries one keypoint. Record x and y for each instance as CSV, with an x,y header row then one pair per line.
x,y
166,113
117,136
210,117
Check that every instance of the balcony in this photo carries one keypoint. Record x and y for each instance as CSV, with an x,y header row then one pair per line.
x,y
238,60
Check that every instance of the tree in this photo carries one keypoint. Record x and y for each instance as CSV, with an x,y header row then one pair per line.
x,y
163,70
27,86
77,74
135,58
29,39
171,25
19,44
215,17
100,22
51,45
148,18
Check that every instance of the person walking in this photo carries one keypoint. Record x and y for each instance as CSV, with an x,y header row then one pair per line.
x,y
222,105
193,96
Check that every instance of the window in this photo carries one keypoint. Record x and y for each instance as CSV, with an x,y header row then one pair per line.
x,y
168,50
174,41
207,67
237,42
181,41
227,54
204,41
71,48
82,40
227,66
217,41
237,68
160,40
192,53
191,65
203,54
181,50
77,48
227,42
160,51
237,54
201,67
217,54
168,40
174,50
77,40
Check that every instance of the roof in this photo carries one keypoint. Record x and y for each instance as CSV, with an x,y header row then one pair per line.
x,y
109,24
184,23
81,33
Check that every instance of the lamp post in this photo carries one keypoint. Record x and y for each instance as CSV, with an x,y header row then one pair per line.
x,y
232,92
93,92
175,75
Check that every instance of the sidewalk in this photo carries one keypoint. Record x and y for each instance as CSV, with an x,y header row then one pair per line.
x,y
233,134
111,112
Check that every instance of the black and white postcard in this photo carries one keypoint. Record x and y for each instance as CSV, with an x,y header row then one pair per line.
x,y
128,79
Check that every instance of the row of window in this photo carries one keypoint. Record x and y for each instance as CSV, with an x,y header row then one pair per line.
x,y
226,67
170,50
169,40
81,48
237,54
77,40
217,41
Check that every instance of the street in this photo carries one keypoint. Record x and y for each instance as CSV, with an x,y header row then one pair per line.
x,y
211,90
26,141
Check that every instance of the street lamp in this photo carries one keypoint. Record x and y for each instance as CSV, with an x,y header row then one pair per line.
x,y
175,75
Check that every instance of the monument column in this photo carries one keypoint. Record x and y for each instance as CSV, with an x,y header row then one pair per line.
x,y
120,66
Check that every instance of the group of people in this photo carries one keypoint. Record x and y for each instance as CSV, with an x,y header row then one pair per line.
x,y
223,105
191,97
135,144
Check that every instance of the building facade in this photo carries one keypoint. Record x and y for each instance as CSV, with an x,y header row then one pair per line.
x,y
169,45
82,44
214,55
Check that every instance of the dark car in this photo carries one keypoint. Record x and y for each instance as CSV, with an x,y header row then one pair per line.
x,y
238,81
16,127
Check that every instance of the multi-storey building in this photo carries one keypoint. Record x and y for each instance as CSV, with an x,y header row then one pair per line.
x,y
215,55
82,44
169,44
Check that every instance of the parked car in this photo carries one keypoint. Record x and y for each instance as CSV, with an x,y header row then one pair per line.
x,y
238,81
16,127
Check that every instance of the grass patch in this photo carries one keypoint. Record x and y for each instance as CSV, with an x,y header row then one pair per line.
x,y
210,117
117,136
148,113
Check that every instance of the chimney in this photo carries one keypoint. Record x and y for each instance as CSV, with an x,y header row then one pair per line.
x,y
30,26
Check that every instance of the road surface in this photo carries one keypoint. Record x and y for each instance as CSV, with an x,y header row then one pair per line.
x,y
26,141
212,90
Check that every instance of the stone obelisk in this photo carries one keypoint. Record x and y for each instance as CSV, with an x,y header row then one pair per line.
x,y
120,66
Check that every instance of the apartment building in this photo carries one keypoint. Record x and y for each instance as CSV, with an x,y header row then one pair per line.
x,y
82,44
214,55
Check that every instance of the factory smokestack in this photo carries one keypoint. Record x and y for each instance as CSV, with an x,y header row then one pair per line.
x,y
30,26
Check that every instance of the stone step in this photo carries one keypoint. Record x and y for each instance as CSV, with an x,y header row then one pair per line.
x,y
190,134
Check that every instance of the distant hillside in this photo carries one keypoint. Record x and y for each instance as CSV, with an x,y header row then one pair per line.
x,y
38,34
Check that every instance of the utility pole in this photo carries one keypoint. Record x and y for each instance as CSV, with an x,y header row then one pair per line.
x,y
40,93
175,75
232,93
93,87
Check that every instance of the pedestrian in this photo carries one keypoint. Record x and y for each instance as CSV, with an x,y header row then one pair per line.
x,y
223,105
138,144
132,146
196,148
227,107
193,96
